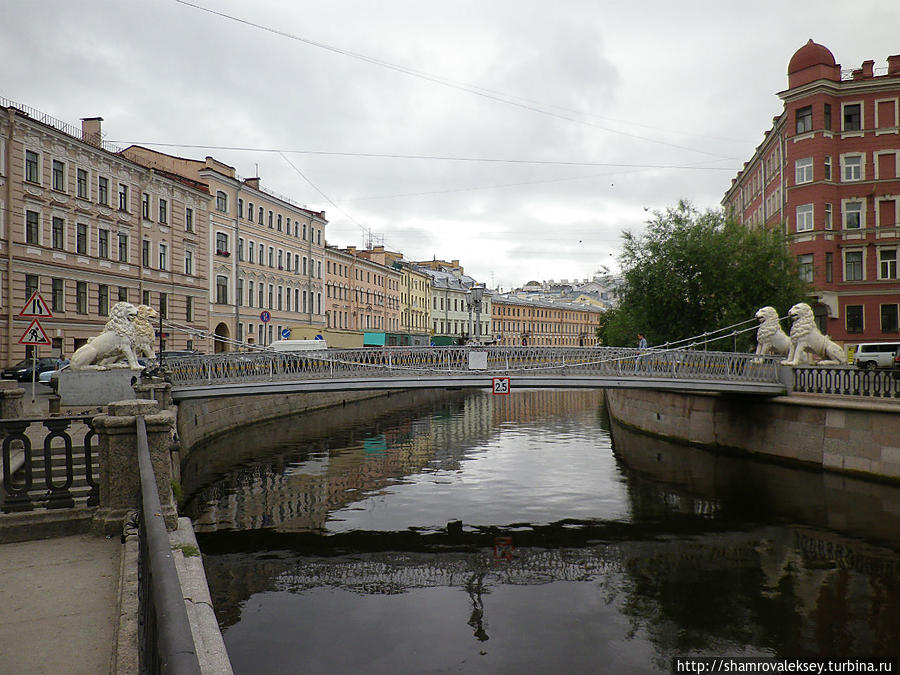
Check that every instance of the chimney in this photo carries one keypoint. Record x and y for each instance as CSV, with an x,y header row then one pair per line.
x,y
90,130
893,65
252,182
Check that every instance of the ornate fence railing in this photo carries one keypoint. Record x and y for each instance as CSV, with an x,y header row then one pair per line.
x,y
847,381
404,362
56,474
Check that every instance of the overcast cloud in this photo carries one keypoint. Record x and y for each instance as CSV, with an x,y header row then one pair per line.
x,y
619,88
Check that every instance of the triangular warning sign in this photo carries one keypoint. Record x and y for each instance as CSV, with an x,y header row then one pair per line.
x,y
36,307
34,335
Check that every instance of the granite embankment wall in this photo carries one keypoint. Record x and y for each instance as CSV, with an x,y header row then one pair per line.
x,y
199,420
860,437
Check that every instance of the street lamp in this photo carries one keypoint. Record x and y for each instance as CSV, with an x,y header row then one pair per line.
x,y
474,296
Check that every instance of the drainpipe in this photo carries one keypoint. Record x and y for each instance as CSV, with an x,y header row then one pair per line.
x,y
9,256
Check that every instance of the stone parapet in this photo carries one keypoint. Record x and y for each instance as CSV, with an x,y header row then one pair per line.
x,y
11,400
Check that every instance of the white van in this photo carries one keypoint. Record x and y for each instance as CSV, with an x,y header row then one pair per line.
x,y
871,355
298,345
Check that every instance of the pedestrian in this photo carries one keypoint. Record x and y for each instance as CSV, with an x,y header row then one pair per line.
x,y
642,341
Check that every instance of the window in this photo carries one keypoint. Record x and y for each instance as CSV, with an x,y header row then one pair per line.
x,y
57,298
853,266
271,296
32,173
279,223
828,116
271,257
854,314
887,263
123,197
103,300
103,190
240,208
189,262
163,211
804,119
103,243
852,168
222,244
240,251
304,231
221,202
145,206
81,304
189,308
280,298
804,217
59,176
32,228
123,247
81,239
852,117
260,220
163,257
852,215
145,297
828,217
239,292
280,259
251,251
250,212
889,319
81,183
31,285
188,219
122,295
270,219
260,291
145,254
250,294
58,232
805,266
828,168
221,289
163,305
803,170
262,254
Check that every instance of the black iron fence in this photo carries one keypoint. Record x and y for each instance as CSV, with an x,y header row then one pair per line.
x,y
847,381
49,463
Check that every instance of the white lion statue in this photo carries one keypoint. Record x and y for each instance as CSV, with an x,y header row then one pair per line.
x,y
807,338
770,338
113,344
144,333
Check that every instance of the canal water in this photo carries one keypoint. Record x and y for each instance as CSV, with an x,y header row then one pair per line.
x,y
464,532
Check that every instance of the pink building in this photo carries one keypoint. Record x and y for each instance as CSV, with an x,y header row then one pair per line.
x,y
827,172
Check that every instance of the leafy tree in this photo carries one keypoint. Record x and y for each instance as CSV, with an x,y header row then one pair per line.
x,y
693,272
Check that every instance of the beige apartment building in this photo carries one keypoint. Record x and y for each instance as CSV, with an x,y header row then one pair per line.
x,y
86,227
537,323
360,293
453,314
267,254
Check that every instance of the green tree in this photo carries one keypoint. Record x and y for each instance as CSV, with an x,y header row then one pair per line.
x,y
691,272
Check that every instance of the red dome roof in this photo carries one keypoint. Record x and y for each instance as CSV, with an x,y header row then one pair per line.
x,y
811,54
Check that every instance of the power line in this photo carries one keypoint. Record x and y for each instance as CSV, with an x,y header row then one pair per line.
x,y
472,89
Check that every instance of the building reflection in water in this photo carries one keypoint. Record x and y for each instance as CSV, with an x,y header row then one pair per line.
x,y
719,554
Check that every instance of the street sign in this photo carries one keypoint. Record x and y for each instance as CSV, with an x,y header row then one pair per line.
x,y
500,386
264,316
285,333
36,307
34,335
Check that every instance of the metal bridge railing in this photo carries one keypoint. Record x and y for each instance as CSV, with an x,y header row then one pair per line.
x,y
847,381
384,363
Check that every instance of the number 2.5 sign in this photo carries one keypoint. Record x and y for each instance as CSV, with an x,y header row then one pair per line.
x,y
500,385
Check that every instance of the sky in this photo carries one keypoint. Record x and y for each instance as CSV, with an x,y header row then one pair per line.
x,y
519,137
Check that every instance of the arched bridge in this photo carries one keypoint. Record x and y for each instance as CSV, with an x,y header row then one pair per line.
x,y
265,372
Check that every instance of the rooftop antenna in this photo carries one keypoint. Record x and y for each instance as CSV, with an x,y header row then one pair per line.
x,y
257,170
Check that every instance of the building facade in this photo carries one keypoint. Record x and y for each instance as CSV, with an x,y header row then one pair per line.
x,y
536,323
828,172
87,227
453,314
267,254
360,293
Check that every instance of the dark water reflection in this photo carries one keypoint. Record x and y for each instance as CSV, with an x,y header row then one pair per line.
x,y
489,534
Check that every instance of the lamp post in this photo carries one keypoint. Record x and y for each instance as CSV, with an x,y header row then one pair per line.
x,y
474,296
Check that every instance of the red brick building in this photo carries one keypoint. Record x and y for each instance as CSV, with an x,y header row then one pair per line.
x,y
828,172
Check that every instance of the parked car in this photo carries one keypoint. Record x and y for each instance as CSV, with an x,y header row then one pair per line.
x,y
895,370
870,355
23,369
47,375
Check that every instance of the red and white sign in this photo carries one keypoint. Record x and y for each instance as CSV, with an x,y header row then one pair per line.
x,y
36,307
500,386
34,335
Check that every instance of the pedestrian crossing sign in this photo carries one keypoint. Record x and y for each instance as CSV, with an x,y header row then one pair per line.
x,y
36,307
34,335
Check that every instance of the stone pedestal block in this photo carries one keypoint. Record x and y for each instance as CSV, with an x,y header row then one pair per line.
x,y
119,474
156,389
96,387
11,400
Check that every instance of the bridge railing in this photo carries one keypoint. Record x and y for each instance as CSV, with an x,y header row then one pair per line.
x,y
847,381
399,362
